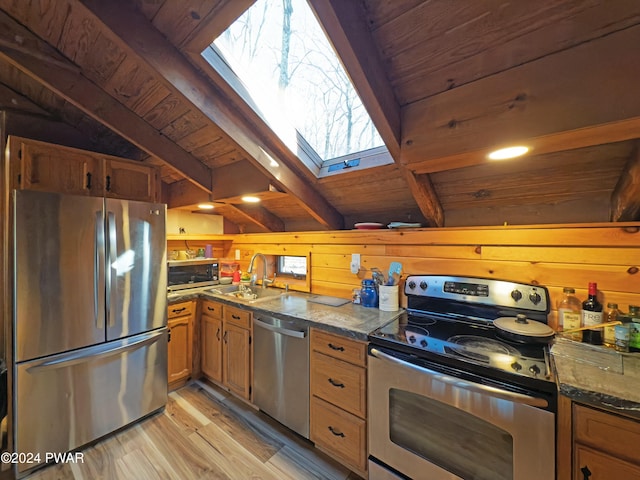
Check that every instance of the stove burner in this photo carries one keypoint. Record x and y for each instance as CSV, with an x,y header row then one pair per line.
x,y
479,348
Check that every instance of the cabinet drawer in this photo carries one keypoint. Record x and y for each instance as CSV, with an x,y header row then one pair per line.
x,y
339,383
236,316
180,309
338,432
212,309
596,465
607,432
339,347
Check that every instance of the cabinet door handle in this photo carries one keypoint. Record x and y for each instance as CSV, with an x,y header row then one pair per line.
x,y
168,335
224,337
336,432
108,183
336,384
178,310
88,180
586,472
333,347
218,334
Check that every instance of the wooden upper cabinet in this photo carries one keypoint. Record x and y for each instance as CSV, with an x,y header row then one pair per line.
x,y
130,180
38,166
47,167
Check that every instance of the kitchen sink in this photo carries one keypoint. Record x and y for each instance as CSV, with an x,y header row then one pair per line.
x,y
246,294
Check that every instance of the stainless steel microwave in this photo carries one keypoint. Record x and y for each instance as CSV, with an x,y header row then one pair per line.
x,y
200,272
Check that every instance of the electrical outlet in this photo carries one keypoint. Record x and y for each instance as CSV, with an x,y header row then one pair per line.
x,y
237,254
355,262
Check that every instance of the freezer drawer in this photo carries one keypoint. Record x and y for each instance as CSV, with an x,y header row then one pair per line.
x,y
65,401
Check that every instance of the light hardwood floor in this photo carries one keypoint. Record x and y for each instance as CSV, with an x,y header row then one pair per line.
x,y
203,433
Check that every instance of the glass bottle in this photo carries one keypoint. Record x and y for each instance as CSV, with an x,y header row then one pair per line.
x,y
592,315
369,294
613,314
569,313
634,328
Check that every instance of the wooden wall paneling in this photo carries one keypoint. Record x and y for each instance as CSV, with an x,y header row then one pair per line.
x,y
625,201
563,255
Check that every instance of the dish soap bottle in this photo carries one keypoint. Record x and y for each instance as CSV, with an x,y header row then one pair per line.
x,y
569,313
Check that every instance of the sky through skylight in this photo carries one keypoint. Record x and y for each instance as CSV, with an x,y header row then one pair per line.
x,y
280,52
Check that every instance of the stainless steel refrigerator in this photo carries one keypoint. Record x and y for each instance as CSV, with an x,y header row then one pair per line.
x,y
89,318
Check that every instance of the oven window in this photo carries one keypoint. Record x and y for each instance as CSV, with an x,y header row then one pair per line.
x,y
453,439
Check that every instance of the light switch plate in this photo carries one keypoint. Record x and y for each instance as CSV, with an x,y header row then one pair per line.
x,y
355,262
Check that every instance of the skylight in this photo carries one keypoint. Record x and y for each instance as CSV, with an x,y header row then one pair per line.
x,y
295,81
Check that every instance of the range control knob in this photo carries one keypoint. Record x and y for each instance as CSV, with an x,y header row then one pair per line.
x,y
412,284
516,366
516,294
412,339
534,370
423,285
535,298
423,343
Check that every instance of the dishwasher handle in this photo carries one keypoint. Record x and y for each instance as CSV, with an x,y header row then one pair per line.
x,y
282,331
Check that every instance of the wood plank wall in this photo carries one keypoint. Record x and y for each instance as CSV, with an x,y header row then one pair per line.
x,y
554,256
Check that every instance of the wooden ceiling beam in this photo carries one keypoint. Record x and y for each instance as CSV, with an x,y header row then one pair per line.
x,y
140,38
259,216
71,85
625,200
229,181
426,198
345,24
216,22
574,98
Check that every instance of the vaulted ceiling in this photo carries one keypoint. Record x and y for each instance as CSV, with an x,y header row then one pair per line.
x,y
445,82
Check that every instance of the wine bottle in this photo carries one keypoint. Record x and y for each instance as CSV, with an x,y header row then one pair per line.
x,y
592,315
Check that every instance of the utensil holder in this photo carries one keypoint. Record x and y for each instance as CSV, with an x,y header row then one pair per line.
x,y
389,298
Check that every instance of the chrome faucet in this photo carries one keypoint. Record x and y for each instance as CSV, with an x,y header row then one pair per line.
x,y
265,280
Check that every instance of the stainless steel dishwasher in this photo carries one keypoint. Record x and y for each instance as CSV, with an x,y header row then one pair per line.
x,y
281,370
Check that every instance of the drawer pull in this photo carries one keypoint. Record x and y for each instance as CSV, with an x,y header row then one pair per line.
x,y
211,309
235,317
178,310
333,347
335,432
336,384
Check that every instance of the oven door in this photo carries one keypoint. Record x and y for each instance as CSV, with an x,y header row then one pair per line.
x,y
432,425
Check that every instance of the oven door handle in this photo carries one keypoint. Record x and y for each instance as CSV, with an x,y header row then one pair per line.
x,y
473,387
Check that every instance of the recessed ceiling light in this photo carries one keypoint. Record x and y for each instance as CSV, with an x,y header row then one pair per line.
x,y
510,152
250,199
205,206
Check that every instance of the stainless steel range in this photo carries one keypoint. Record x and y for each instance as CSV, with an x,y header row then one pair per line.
x,y
449,397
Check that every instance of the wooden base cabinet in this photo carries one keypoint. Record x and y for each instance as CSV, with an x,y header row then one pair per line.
x,y
226,346
211,340
180,318
605,445
338,412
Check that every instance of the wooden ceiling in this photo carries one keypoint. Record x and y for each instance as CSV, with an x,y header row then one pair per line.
x,y
445,81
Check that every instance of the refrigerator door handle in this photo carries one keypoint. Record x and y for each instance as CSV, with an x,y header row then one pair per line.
x,y
98,242
99,351
111,259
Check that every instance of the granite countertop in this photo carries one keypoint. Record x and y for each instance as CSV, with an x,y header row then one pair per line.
x,y
354,321
598,376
